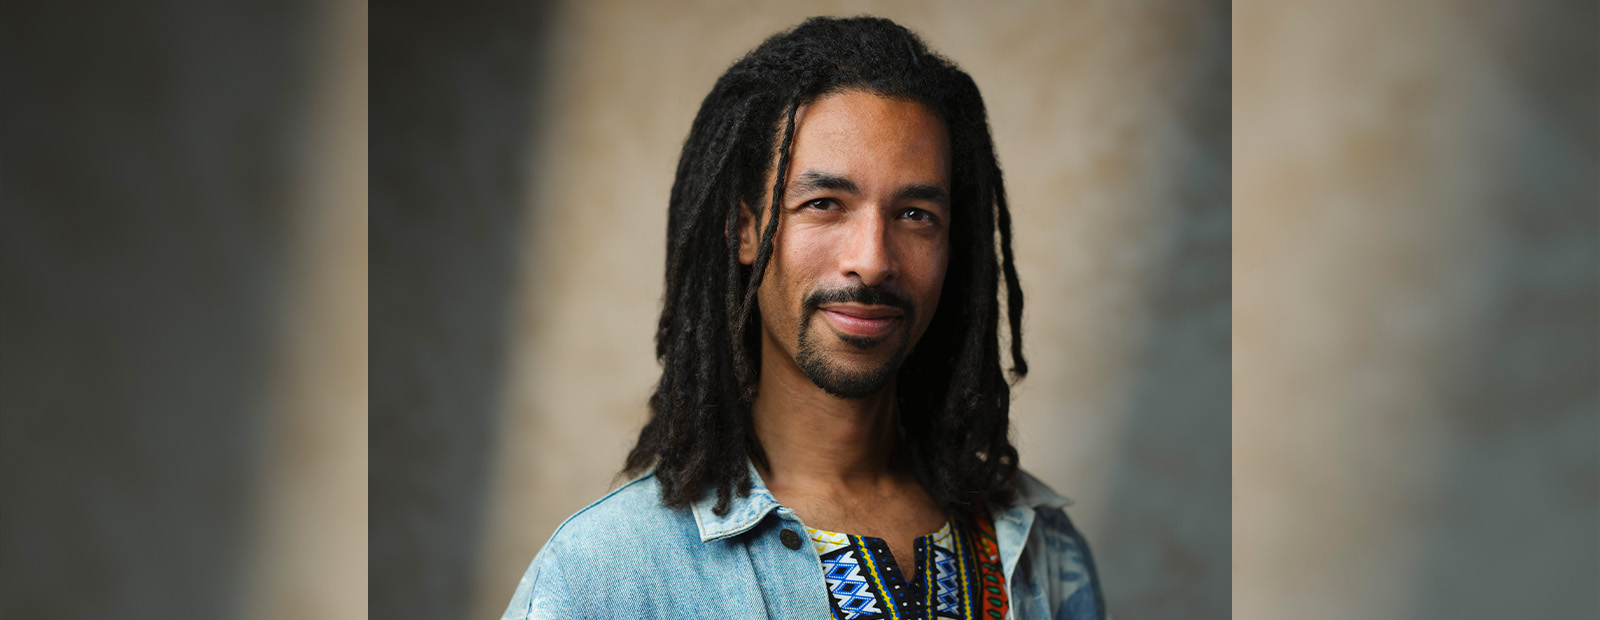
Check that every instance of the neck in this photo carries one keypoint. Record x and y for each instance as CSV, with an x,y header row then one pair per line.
x,y
814,440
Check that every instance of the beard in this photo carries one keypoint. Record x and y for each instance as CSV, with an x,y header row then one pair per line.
x,y
830,375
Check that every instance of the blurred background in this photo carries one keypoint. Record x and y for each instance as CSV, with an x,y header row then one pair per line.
x,y
1416,423
523,157
183,310
1406,375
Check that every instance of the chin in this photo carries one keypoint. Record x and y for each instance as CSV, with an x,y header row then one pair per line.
x,y
852,386
843,375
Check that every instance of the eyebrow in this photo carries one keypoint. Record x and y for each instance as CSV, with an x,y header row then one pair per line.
x,y
812,180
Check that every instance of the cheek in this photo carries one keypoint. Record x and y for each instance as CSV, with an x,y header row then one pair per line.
x,y
935,291
783,288
807,249
931,266
934,261
798,260
943,268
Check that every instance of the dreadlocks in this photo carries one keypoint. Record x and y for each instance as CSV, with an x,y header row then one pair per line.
x,y
954,401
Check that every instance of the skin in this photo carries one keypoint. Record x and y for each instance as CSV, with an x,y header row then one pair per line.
x,y
834,460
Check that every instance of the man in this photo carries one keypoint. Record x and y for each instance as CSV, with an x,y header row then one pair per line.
x,y
829,434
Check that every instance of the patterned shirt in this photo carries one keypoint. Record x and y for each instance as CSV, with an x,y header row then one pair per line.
x,y
957,575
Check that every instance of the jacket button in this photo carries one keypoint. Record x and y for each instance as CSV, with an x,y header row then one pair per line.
x,y
790,539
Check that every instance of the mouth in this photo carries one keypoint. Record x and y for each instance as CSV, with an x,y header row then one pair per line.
x,y
861,321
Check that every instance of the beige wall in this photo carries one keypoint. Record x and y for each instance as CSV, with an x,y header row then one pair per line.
x,y
1110,119
1416,339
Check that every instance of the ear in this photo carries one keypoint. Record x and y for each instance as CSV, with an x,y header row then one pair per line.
x,y
747,235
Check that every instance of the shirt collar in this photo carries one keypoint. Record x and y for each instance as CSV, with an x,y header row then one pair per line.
x,y
1034,494
745,512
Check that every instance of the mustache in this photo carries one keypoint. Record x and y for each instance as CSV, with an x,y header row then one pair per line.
x,y
865,295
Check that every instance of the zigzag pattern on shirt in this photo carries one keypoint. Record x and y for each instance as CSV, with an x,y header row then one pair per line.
x,y
849,588
948,590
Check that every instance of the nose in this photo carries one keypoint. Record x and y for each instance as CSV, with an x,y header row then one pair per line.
x,y
868,253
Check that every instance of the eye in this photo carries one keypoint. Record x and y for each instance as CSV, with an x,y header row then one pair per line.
x,y
820,204
919,215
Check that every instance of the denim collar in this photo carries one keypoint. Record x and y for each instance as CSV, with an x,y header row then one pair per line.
x,y
745,512
1034,494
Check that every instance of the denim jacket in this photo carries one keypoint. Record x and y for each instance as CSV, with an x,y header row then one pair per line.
x,y
627,556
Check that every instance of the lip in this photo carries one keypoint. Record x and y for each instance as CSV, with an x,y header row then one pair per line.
x,y
862,321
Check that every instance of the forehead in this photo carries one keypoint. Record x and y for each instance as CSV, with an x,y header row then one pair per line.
x,y
875,140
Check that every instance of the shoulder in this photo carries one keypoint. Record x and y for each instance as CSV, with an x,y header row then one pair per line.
x,y
617,523
635,503
1051,526
625,537
1058,553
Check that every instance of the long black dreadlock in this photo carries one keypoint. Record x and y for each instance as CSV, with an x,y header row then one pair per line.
x,y
954,400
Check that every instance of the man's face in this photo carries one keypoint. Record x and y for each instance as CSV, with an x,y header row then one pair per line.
x,y
862,242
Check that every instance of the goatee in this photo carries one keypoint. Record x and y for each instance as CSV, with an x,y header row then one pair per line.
x,y
824,372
